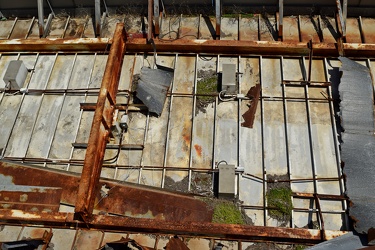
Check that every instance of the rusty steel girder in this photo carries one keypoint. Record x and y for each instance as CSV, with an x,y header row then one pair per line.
x,y
205,229
140,45
121,199
250,47
101,125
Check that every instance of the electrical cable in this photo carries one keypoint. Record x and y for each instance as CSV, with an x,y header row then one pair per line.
x,y
114,159
222,94
217,165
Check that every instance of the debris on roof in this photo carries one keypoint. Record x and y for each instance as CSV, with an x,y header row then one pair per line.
x,y
249,115
124,244
358,147
30,243
153,86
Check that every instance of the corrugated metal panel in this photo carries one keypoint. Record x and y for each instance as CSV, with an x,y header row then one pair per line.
x,y
358,147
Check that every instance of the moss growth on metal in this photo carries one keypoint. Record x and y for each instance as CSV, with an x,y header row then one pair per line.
x,y
227,213
300,247
207,86
280,202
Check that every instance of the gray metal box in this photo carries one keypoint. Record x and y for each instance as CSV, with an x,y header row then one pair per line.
x,y
227,181
229,79
15,75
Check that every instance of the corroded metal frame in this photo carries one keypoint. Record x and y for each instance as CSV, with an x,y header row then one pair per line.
x,y
221,231
222,47
101,125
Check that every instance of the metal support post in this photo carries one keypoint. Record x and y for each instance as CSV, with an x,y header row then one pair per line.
x,y
97,18
149,20
41,18
218,18
156,16
341,22
281,15
344,15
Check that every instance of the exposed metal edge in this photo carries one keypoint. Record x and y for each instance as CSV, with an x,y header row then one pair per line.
x,y
55,45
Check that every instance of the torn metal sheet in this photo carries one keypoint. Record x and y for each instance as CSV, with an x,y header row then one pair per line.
x,y
358,147
249,115
30,198
153,86
124,244
356,97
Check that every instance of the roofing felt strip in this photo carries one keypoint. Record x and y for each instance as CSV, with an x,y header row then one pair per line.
x,y
358,147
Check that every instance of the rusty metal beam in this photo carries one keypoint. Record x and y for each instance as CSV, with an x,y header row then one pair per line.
x,y
134,45
140,201
250,47
223,231
120,106
101,125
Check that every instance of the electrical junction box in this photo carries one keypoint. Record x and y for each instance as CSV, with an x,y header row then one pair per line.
x,y
229,79
15,75
227,181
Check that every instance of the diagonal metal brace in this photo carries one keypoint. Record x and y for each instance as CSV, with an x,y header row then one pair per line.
x,y
88,186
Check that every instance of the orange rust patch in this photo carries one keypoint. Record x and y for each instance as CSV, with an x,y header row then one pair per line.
x,y
198,148
186,133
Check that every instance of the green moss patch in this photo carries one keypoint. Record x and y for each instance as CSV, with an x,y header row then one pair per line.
x,y
227,213
280,202
207,86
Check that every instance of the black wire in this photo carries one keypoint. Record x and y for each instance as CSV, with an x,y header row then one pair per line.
x,y
114,159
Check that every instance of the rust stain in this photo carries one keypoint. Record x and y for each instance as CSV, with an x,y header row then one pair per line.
x,y
198,149
186,133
